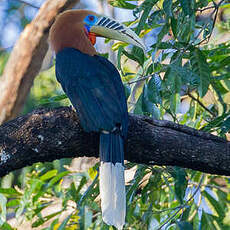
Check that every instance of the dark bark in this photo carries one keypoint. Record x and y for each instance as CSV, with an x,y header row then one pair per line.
x,y
49,134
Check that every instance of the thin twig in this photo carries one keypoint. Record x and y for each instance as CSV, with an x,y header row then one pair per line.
x,y
207,8
163,210
139,79
221,188
201,104
215,11
184,205
196,210
27,3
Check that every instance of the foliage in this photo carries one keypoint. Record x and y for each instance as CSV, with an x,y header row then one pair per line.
x,y
183,76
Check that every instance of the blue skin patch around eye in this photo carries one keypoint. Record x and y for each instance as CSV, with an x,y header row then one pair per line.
x,y
90,20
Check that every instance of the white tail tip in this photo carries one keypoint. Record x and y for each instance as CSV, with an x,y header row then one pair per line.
x,y
112,190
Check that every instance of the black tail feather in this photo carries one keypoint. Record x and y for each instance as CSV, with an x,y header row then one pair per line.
x,y
111,148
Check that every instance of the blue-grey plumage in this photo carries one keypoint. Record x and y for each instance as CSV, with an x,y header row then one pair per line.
x,y
94,87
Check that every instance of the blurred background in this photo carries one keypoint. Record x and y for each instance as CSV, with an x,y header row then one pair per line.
x,y
44,196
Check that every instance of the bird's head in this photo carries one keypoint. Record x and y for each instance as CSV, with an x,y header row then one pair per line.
x,y
79,29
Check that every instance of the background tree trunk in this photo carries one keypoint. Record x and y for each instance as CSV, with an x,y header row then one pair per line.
x,y
26,59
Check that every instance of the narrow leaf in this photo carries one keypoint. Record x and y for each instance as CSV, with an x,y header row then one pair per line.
x,y
49,175
186,6
122,4
167,6
201,68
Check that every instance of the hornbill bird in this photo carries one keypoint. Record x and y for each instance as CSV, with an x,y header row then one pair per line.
x,y
95,89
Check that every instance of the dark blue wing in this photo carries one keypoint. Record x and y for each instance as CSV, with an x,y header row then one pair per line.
x,y
95,89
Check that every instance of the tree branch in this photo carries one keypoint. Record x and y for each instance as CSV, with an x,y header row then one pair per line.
x,y
49,134
26,59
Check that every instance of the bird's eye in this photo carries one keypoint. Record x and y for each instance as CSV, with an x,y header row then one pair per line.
x,y
91,18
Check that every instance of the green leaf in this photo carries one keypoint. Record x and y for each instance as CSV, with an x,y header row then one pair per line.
x,y
226,220
9,191
13,202
186,29
207,221
138,105
154,87
181,183
183,225
6,226
122,4
89,192
174,26
201,68
218,64
127,90
156,114
216,123
49,175
86,218
173,81
147,6
175,102
225,127
57,178
188,77
154,18
139,174
20,209
185,214
136,55
53,224
214,204
186,6
147,106
35,186
167,6
81,184
119,54
139,54
163,32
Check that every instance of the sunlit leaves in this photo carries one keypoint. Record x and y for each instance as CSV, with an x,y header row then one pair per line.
x,y
146,7
122,4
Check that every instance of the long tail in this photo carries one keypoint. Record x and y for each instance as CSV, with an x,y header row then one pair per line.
x,y
112,182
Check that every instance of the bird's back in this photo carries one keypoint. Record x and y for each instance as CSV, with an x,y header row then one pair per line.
x,y
95,89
